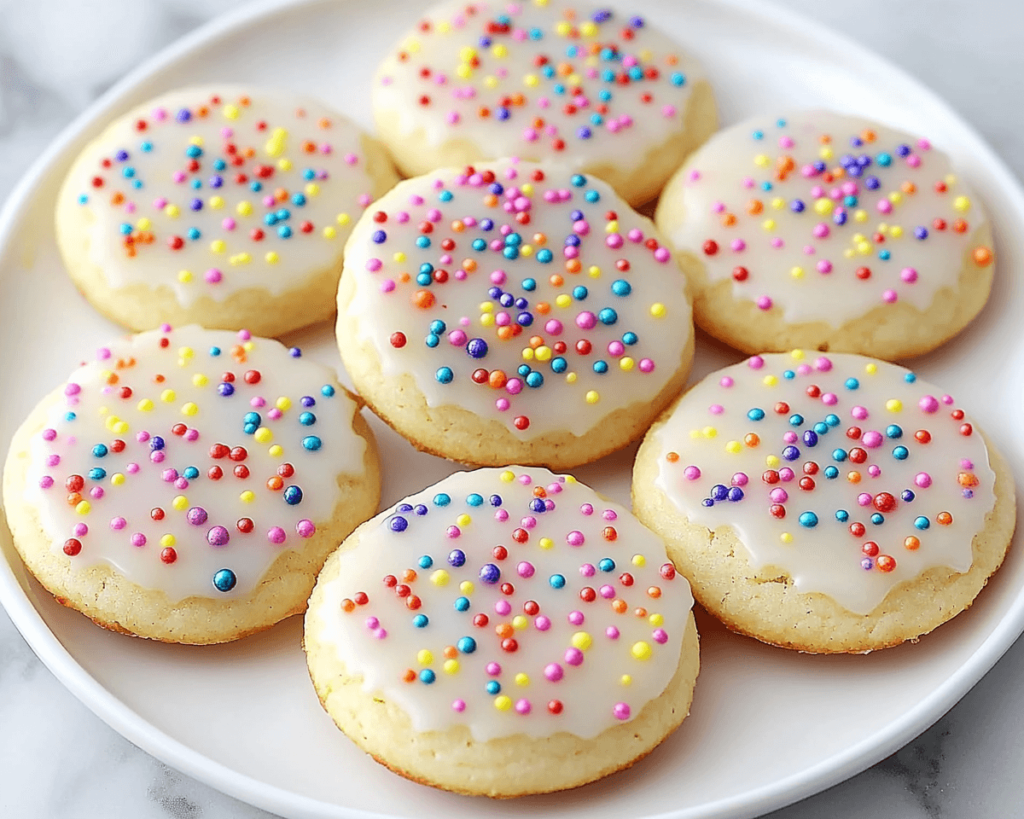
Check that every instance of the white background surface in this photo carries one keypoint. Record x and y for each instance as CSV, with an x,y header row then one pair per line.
x,y
57,760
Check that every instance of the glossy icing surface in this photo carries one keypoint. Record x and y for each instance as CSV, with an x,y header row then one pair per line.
x,y
826,216
511,601
524,293
539,79
850,475
188,460
208,191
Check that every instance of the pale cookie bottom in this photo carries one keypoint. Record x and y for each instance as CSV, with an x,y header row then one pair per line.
x,y
499,768
112,601
765,604
415,156
458,434
308,299
889,331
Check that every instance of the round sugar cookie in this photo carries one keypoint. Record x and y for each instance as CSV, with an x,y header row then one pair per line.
x,y
826,503
504,632
226,206
830,232
599,91
187,485
513,313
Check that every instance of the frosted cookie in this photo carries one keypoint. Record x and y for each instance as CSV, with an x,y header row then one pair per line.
x,y
829,504
504,632
596,90
513,313
225,206
187,486
830,232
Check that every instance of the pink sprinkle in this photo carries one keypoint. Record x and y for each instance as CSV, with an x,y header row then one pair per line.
x,y
459,706
635,235
574,538
117,523
786,474
691,473
258,401
456,338
498,277
914,161
609,514
830,398
525,569
909,275
755,362
662,255
785,142
860,413
621,711
276,535
380,634
502,607
554,672
274,414
514,386
213,276
928,403
372,623
874,471
889,296
72,389
824,266
646,365
80,530
138,540
453,532
157,457
777,242
573,656
616,348
586,509
522,707
387,286
864,499
97,492
668,110
132,468
716,409
228,224
611,633
764,303
305,528
726,381
872,439
660,635
790,437
586,320
554,327
373,265
45,482
607,592
923,480
588,570
52,460
778,495
821,231
947,399
493,669
740,479
528,522
738,245
542,623
501,515
502,404
614,241
884,206
179,177
576,618
823,365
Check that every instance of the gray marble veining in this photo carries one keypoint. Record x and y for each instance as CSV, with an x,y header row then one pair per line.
x,y
58,760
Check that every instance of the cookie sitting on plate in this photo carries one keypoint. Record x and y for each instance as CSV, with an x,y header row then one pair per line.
x,y
226,206
187,485
826,503
513,312
831,232
599,91
504,632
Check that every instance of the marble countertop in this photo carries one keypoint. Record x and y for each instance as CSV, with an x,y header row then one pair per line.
x,y
58,760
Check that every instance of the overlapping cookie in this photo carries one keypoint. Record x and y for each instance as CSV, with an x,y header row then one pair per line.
x,y
826,503
513,313
599,91
226,206
831,232
505,632
187,485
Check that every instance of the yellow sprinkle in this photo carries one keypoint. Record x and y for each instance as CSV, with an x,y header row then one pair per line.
x,y
528,354
733,447
145,405
218,246
695,434
546,543
871,369
329,232
487,320
466,587
189,409
120,428
463,520
424,657
639,560
762,160
594,271
263,435
491,81
657,309
612,227
243,208
625,679
768,224
797,272
439,578
962,204
526,250
486,307
231,111
656,620
772,460
531,80
786,537
343,219
507,476
312,189
778,203
709,432
502,703
117,479
593,397
896,231
180,503
83,508
522,679
826,153
172,211
542,353
860,216
641,651
451,666
563,29
111,421
895,197
499,51
848,253
216,202
519,622
563,300
284,164
184,276
467,53
950,179
823,207
239,258
247,496
399,257
275,146
582,640
186,353
894,405
570,378
276,451
771,380
167,396
589,29
283,403
626,364
167,540
272,257
797,355
464,71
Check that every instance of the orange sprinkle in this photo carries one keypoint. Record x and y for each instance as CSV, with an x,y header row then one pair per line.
x,y
672,457
729,220
556,280
619,606
868,136
573,266
347,605
535,342
960,226
504,630
491,200
308,147
408,576
944,518
540,492
911,543
458,226
654,592
113,378
450,652
853,477
540,239
497,379
409,676
751,439
754,207
908,188
640,611
505,333
543,308
469,265
424,299
982,256
275,483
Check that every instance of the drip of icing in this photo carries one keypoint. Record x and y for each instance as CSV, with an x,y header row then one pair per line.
x,y
188,460
510,601
850,475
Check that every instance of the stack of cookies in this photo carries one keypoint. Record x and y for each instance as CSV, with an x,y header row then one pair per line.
x,y
508,630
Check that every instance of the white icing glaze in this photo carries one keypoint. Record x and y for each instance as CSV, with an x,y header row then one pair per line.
x,y
625,285
576,106
137,391
805,236
570,650
950,473
305,159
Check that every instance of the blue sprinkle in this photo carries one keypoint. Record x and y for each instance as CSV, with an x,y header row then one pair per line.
x,y
100,450
420,621
842,515
556,581
442,499
224,580
293,496
475,500
462,604
397,523
467,645
808,519
756,414
427,676
606,565
311,442
457,558
493,687
922,523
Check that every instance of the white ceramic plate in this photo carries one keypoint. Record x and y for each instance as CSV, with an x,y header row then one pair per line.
x,y
768,726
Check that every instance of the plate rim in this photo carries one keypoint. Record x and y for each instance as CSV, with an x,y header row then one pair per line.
x,y
135,728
